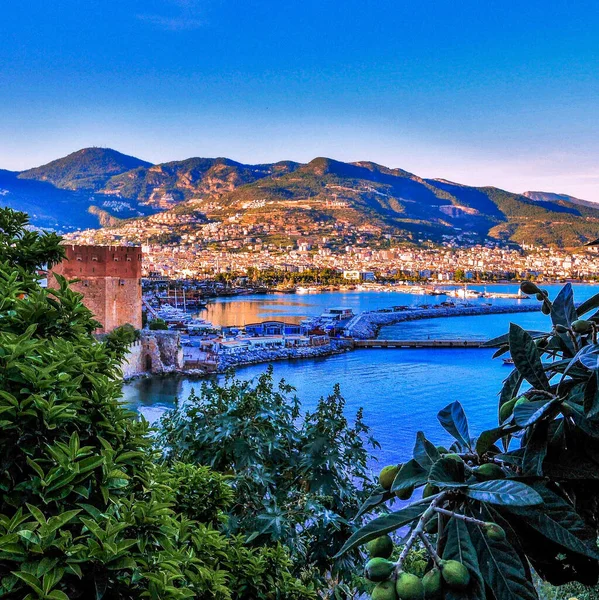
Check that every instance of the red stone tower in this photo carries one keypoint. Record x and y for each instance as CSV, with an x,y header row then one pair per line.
x,y
110,281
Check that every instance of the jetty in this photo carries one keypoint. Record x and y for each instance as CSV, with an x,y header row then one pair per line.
x,y
457,344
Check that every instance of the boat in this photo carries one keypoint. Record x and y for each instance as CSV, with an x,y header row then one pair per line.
x,y
508,361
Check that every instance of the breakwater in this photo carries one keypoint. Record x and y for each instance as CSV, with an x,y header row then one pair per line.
x,y
367,325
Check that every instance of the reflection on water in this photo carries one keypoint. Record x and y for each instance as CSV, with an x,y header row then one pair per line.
x,y
241,310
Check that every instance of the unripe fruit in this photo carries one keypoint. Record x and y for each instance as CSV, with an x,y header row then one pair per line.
x,y
520,401
545,308
429,490
495,532
387,475
506,410
540,297
409,587
378,569
454,456
455,574
384,591
442,450
381,547
489,471
528,287
405,494
431,582
582,326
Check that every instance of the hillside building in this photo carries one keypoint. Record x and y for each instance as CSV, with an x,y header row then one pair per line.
x,y
110,281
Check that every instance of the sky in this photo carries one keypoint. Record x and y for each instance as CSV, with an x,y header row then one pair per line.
x,y
482,92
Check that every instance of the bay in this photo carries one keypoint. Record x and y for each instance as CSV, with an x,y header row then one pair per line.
x,y
400,390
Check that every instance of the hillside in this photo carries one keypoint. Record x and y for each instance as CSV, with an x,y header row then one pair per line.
x,y
166,184
87,169
287,201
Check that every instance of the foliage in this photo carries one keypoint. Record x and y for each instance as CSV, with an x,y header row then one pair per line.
x,y
84,510
158,324
120,338
529,503
296,480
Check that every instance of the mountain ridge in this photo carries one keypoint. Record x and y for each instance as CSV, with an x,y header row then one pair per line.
x,y
97,183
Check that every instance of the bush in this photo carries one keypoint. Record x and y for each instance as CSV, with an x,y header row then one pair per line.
x,y
526,505
84,510
158,325
296,480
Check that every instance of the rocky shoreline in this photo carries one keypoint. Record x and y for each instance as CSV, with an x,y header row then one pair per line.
x,y
368,325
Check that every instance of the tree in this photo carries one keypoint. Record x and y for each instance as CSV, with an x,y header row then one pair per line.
x,y
296,480
158,324
521,497
85,511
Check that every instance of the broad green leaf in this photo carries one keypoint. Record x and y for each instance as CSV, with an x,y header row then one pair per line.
x,y
447,470
588,305
529,413
503,340
526,357
563,311
504,492
558,521
535,450
425,453
385,524
454,421
501,567
488,438
458,546
377,497
410,475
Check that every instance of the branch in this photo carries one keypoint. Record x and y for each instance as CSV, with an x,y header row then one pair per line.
x,y
418,530
431,550
450,513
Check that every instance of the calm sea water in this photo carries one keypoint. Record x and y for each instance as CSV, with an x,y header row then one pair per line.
x,y
401,391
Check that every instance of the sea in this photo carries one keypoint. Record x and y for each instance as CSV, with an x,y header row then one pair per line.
x,y
400,390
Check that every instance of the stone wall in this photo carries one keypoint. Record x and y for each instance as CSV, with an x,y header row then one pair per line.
x,y
155,352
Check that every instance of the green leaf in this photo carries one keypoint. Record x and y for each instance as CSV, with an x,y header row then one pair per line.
x,y
504,492
558,521
535,450
425,453
588,305
447,471
563,311
529,413
33,582
375,499
458,546
501,567
488,438
526,357
385,524
410,475
511,385
453,420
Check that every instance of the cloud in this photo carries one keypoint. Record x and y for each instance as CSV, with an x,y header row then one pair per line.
x,y
178,15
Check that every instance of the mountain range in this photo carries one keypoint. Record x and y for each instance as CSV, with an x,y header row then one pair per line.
x,y
101,187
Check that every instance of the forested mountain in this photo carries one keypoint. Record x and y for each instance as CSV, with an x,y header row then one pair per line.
x,y
101,186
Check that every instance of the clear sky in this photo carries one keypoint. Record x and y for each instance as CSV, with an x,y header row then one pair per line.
x,y
482,92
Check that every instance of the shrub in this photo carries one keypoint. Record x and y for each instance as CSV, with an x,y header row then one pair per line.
x,y
158,324
84,510
296,480
522,497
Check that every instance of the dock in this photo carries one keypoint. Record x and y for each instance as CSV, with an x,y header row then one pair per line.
x,y
418,343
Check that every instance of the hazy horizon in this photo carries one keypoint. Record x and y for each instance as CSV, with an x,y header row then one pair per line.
x,y
482,94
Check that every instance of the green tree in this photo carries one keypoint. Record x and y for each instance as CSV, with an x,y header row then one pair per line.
x,y
85,512
297,480
520,498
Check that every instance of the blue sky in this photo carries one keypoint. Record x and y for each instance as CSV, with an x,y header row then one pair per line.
x,y
482,92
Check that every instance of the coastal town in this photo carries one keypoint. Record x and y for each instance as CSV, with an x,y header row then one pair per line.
x,y
213,251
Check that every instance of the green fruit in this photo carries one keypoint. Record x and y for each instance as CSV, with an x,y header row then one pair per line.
x,y
409,587
405,494
490,471
545,308
388,475
540,297
442,450
429,490
378,569
582,326
528,287
455,574
381,547
384,591
495,532
506,410
454,456
431,582
520,401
